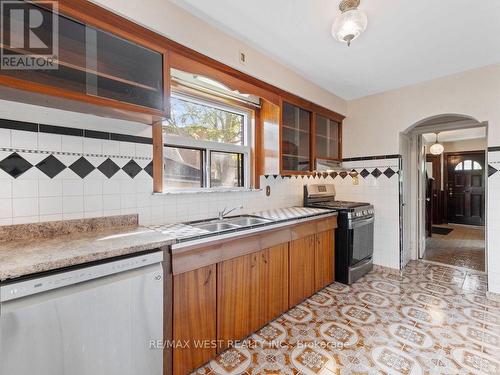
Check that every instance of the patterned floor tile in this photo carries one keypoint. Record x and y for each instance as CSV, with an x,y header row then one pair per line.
x,y
428,319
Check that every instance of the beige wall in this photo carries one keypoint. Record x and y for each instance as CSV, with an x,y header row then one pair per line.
x,y
175,23
374,122
465,145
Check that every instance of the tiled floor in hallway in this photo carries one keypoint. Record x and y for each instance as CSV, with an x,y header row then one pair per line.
x,y
432,319
462,247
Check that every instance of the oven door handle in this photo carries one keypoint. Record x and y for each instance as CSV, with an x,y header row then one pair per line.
x,y
359,223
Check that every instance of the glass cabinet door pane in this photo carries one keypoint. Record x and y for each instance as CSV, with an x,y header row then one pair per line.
x,y
125,71
89,61
295,134
69,73
327,138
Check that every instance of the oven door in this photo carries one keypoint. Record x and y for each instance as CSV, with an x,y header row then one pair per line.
x,y
360,239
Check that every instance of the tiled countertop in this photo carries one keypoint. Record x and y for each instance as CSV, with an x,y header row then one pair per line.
x,y
24,257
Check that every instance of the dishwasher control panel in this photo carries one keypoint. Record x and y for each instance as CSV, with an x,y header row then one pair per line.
x,y
64,278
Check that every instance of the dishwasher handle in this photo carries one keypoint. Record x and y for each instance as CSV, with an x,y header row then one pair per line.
x,y
17,290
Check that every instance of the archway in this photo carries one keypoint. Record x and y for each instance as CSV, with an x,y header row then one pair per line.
x,y
414,178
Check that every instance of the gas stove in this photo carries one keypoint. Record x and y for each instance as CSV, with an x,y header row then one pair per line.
x,y
323,196
354,234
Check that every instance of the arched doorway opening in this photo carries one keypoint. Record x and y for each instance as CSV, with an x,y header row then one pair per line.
x,y
443,210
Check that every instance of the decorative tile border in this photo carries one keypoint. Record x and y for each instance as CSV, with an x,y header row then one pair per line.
x,y
62,130
16,165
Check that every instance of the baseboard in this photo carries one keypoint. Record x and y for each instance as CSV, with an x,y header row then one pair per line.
x,y
379,268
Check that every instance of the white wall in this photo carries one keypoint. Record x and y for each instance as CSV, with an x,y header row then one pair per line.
x,y
175,23
373,123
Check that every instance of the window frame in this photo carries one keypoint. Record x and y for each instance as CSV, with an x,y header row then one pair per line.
x,y
208,146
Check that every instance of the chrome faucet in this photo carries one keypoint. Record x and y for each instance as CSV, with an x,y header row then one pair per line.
x,y
225,212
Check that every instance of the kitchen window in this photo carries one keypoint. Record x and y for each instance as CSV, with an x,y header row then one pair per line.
x,y
207,145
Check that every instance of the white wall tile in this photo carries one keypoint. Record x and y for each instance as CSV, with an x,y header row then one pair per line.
x,y
5,208
93,203
51,205
72,144
127,149
49,142
24,207
5,138
5,188
111,202
92,146
50,187
72,204
73,187
24,140
24,188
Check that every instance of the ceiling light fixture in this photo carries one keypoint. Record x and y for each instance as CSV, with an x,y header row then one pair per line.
x,y
437,148
350,23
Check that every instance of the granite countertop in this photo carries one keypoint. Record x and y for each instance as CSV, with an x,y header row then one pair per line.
x,y
24,257
58,246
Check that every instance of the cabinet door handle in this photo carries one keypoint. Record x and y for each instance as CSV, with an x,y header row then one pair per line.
x,y
264,258
208,277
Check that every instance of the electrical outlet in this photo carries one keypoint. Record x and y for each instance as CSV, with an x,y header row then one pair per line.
x,y
243,57
268,191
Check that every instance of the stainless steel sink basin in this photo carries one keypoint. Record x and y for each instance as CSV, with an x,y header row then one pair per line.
x,y
216,227
248,221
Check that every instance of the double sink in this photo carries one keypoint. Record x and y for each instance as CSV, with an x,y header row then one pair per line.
x,y
230,223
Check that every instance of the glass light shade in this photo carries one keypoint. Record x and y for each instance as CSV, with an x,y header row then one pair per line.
x,y
436,149
349,25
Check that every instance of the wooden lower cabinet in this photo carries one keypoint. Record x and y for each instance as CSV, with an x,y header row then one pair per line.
x,y
324,258
274,282
238,300
194,317
301,268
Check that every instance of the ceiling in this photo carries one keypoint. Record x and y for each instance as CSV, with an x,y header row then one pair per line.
x,y
456,135
406,42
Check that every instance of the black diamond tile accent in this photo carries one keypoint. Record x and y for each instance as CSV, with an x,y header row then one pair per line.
x,y
108,168
51,166
389,172
132,168
149,170
333,174
82,167
343,174
376,173
364,173
353,173
15,165
491,170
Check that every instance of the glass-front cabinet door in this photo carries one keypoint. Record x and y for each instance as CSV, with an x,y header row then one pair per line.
x,y
88,61
327,138
295,139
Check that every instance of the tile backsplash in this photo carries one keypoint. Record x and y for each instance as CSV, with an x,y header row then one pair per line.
x,y
50,171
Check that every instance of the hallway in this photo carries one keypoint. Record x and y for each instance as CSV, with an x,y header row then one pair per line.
x,y
464,246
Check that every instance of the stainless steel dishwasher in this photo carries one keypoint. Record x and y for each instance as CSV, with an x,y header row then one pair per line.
x,y
94,320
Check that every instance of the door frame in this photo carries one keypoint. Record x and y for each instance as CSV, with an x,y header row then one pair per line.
x,y
412,182
445,178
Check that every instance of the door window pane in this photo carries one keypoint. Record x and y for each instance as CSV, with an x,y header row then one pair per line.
x,y
183,168
204,122
476,166
226,169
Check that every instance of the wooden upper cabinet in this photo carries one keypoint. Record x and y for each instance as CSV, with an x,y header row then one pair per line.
x,y
95,66
295,139
327,135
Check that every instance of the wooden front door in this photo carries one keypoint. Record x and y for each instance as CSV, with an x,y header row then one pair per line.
x,y
465,190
